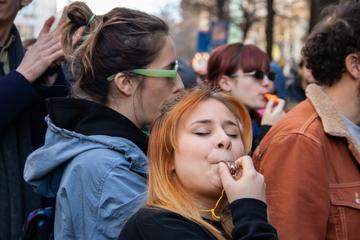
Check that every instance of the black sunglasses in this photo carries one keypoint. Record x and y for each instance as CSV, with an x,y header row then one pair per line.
x,y
258,74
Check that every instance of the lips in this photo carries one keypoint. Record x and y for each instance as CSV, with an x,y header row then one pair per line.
x,y
220,155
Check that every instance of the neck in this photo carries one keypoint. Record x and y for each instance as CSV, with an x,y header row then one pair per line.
x,y
206,204
345,96
126,109
4,32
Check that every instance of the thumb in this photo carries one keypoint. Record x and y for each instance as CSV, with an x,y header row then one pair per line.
x,y
47,25
225,175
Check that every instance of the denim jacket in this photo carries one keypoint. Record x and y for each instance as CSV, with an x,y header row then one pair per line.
x,y
99,181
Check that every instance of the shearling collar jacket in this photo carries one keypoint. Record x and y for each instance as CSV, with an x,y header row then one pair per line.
x,y
311,166
331,119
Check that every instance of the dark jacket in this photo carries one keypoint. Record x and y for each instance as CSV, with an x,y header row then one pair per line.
x,y
258,130
296,93
249,218
22,128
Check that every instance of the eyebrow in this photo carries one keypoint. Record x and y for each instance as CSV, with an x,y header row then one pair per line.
x,y
208,121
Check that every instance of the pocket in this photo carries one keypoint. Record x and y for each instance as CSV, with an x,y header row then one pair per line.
x,y
345,194
345,210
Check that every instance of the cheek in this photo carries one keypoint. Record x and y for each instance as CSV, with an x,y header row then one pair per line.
x,y
191,154
238,148
154,95
189,169
192,167
245,90
212,177
253,95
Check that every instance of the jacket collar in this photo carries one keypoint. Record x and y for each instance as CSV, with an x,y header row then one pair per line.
x,y
330,117
90,118
11,52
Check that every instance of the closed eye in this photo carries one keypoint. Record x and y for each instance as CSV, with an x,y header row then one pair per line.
x,y
201,133
233,135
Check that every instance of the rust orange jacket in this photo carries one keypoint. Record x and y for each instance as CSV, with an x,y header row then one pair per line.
x,y
311,166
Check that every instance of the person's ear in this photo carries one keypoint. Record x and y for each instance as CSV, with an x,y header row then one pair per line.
x,y
124,84
226,83
352,65
171,167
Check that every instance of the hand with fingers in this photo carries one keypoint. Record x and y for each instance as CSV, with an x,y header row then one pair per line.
x,y
272,113
46,50
248,184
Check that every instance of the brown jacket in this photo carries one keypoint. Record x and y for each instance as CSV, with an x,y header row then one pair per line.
x,y
312,171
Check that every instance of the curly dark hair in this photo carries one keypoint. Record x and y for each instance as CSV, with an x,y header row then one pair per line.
x,y
335,37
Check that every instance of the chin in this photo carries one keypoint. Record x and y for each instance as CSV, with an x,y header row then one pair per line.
x,y
216,186
256,107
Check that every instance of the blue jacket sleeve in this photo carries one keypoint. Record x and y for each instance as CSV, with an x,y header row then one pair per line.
x,y
16,93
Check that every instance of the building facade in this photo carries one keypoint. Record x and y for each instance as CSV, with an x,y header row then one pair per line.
x,y
31,18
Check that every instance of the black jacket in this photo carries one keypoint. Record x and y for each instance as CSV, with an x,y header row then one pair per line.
x,y
22,129
249,218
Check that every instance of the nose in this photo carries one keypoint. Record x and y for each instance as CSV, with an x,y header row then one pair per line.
x,y
265,82
179,85
224,141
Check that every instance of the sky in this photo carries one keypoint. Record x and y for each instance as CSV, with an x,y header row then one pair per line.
x,y
103,6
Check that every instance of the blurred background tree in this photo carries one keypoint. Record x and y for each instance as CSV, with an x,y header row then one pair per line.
x,y
279,27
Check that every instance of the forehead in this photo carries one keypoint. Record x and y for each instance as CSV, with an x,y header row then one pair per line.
x,y
210,109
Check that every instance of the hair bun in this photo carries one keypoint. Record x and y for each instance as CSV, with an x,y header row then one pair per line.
x,y
79,13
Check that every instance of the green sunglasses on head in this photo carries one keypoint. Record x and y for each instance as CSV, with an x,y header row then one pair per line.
x,y
153,72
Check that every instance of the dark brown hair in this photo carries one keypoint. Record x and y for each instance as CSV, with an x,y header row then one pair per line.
x,y
121,40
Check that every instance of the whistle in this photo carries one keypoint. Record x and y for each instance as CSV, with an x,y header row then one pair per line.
x,y
232,168
273,97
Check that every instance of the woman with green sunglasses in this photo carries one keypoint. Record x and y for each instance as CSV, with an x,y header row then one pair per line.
x,y
94,158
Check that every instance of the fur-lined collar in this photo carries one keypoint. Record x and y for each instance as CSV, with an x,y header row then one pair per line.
x,y
330,117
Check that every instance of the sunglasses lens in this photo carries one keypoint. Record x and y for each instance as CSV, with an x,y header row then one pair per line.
x,y
259,75
271,76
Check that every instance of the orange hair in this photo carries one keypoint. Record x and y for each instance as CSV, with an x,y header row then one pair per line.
x,y
164,190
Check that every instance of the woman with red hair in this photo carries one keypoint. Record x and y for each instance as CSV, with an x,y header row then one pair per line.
x,y
244,71
197,167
